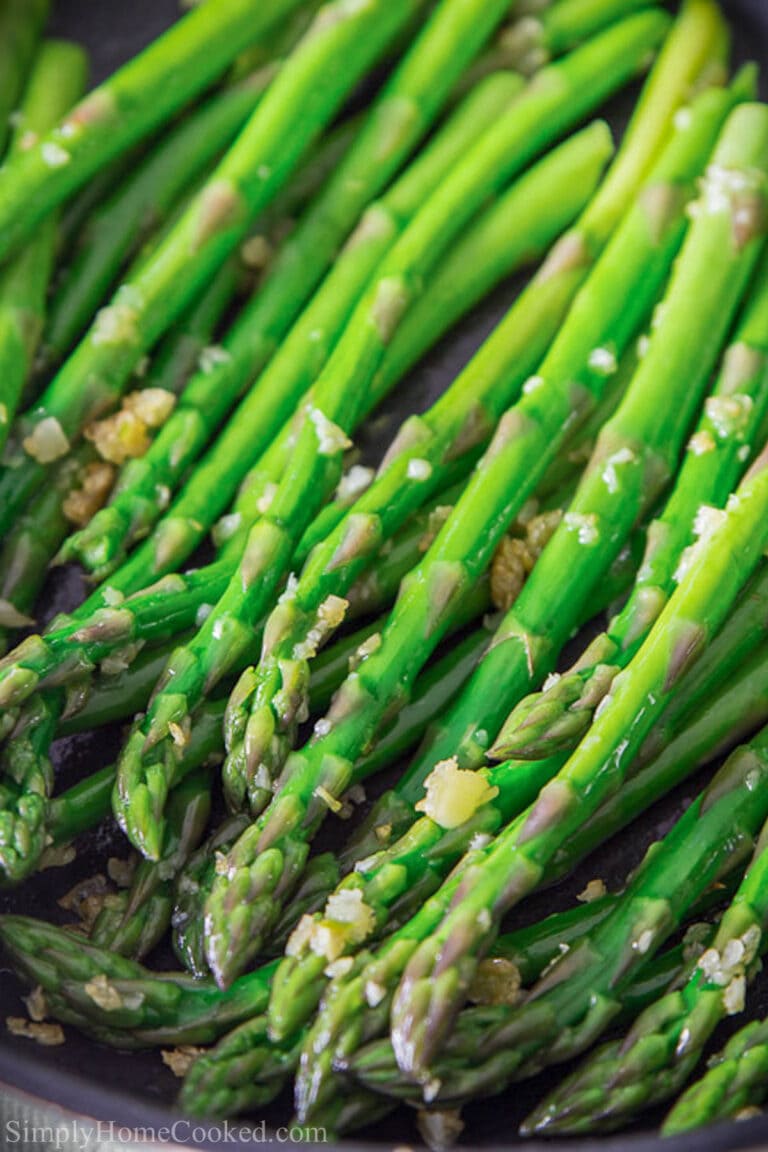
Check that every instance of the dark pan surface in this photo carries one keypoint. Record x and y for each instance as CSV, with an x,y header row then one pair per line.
x,y
136,1090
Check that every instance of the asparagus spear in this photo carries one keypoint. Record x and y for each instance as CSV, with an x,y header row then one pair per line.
x,y
557,719
407,107
273,396
226,1080
134,1007
532,41
656,1057
139,205
245,182
270,700
733,1087
136,921
78,484
484,703
392,882
58,79
598,767
322,433
576,1000
21,23
462,549
140,97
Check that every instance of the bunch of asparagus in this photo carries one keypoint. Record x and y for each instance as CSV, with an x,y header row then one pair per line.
x,y
216,267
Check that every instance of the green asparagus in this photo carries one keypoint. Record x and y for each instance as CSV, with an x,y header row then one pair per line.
x,y
653,1061
598,767
138,206
269,702
57,81
557,100
21,23
138,98
406,109
733,1087
525,442
581,994
273,397
557,719
135,921
246,181
483,704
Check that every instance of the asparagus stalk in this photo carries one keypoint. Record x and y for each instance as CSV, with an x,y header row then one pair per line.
x,y
462,549
557,719
484,703
393,881
58,79
322,433
656,1057
178,603
269,701
136,921
273,396
139,205
512,873
400,118
116,995
140,97
582,993
597,768
733,1087
120,696
36,537
246,181
531,41
21,23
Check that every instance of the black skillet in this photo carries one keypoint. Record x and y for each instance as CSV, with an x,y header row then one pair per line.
x,y
136,1091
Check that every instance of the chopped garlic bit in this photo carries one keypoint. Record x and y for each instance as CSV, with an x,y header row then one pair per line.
x,y
353,483
47,441
585,524
707,521
701,443
497,981
734,996
121,872
103,994
420,470
441,1129
152,406
729,415
120,437
213,357
37,1006
595,890
720,187
382,832
643,942
623,456
86,899
82,504
323,727
180,1059
454,794
47,1035
330,438
54,156
603,360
